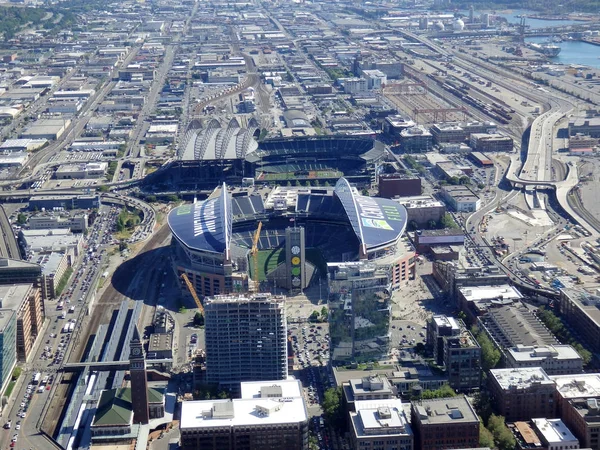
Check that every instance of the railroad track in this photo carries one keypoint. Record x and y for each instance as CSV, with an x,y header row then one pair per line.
x,y
110,299
575,202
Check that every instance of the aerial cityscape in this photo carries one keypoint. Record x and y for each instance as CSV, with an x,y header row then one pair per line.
x,y
299,225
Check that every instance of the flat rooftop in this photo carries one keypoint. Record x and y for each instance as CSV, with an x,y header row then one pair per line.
x,y
587,303
244,411
5,317
526,353
253,389
584,385
503,291
12,296
554,431
445,410
379,417
522,378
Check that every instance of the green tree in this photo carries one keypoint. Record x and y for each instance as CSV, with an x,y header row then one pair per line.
x,y
483,405
486,439
431,224
314,317
198,319
448,222
324,313
103,189
443,392
503,438
490,355
332,407
21,219
151,198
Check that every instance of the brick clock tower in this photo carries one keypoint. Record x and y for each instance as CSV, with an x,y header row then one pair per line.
x,y
139,381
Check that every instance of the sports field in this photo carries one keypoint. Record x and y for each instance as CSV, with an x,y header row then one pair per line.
x,y
266,260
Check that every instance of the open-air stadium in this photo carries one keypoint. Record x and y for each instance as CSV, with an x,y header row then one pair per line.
x,y
211,154
212,239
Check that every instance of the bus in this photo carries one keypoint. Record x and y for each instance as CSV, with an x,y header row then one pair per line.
x,y
60,305
63,315
36,378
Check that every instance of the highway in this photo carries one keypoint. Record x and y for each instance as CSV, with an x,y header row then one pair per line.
x,y
8,244
79,293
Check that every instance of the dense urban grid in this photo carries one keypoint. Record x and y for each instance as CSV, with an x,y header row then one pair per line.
x,y
323,225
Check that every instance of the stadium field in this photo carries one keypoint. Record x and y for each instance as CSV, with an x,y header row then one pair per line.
x,y
267,260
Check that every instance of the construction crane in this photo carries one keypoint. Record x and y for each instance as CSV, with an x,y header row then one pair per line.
x,y
190,287
254,253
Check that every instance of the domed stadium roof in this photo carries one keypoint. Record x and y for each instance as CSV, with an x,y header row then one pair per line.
x,y
214,142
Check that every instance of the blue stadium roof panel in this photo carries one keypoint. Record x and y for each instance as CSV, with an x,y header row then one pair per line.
x,y
204,225
375,221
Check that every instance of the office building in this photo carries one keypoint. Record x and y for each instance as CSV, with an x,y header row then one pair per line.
x,y
582,311
578,405
491,143
77,223
416,139
460,198
373,387
376,79
455,348
450,132
451,277
393,125
8,345
444,423
26,301
16,271
423,209
269,415
246,339
81,171
359,311
398,185
48,202
355,85
520,394
438,327
555,359
380,425
589,126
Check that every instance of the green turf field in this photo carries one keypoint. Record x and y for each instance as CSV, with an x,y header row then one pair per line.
x,y
267,260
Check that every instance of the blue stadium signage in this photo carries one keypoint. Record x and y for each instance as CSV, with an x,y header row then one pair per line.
x,y
204,225
376,221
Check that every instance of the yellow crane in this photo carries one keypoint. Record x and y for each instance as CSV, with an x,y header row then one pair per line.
x,y
190,287
254,253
